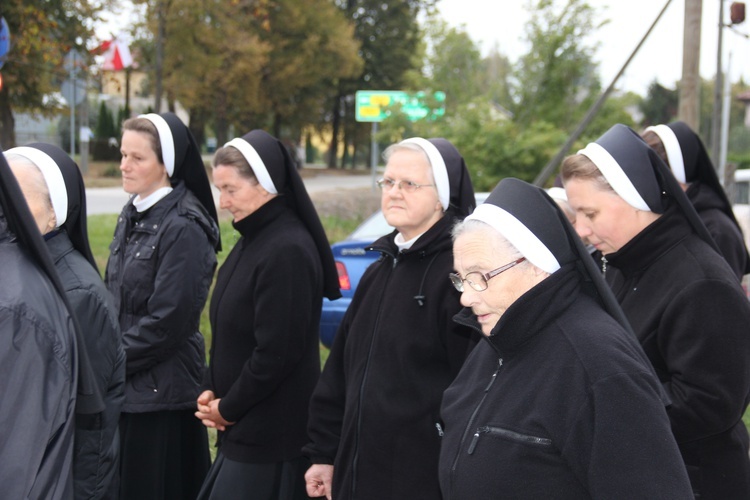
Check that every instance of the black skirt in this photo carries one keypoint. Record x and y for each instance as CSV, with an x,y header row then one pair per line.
x,y
164,455
231,480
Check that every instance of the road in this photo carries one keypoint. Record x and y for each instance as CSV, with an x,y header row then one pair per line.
x,y
111,200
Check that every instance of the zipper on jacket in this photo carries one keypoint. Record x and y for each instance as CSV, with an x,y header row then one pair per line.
x,y
470,424
362,384
439,429
604,265
511,435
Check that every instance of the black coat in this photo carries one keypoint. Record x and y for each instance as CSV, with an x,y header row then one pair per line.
x,y
159,273
559,402
37,380
725,232
265,315
375,411
691,317
97,445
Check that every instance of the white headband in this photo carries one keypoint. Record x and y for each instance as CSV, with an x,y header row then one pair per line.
x,y
557,193
439,170
615,175
518,235
256,163
165,139
673,149
58,193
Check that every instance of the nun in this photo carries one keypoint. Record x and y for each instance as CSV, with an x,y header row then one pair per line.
x,y
44,378
53,187
680,296
265,314
374,417
161,264
559,400
683,151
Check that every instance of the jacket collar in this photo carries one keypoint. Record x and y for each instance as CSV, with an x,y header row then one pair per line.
x,y
433,240
531,313
252,225
59,246
650,244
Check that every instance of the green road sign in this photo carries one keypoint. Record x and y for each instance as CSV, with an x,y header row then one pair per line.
x,y
377,105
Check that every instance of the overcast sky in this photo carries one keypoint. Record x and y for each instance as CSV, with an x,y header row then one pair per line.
x,y
502,22
660,57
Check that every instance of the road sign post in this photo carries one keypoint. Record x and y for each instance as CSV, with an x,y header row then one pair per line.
x,y
376,105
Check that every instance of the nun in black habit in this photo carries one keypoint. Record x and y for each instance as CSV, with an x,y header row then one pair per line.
x,y
265,314
683,151
680,296
45,378
559,401
54,190
374,417
161,264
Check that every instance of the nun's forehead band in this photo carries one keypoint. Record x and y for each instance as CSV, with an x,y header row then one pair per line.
x,y
165,140
256,163
673,149
439,170
58,193
517,234
615,175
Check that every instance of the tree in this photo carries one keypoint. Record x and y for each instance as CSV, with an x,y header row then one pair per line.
x,y
557,78
454,64
389,37
42,33
660,105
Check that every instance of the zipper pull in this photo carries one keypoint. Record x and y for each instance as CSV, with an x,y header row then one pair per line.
x,y
439,429
494,375
604,265
474,442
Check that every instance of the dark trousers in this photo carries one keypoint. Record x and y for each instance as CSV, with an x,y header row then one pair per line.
x,y
231,480
164,455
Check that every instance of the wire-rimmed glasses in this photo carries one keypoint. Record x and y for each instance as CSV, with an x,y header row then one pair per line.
x,y
477,280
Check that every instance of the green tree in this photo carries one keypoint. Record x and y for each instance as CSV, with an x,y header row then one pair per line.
x,y
557,79
41,34
454,64
390,47
659,105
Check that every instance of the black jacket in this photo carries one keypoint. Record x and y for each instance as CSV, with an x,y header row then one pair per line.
x,y
559,402
725,232
159,272
37,380
265,315
691,317
97,445
375,411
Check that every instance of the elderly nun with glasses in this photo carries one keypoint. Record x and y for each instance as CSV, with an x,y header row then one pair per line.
x,y
559,401
682,299
374,422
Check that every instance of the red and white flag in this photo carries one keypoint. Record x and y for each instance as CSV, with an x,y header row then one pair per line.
x,y
116,55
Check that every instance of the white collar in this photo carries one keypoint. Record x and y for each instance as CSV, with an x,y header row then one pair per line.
x,y
143,204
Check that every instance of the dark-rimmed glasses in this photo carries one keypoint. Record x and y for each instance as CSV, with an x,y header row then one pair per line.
x,y
477,280
409,186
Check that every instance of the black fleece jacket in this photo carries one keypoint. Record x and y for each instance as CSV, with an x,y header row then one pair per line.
x,y
375,411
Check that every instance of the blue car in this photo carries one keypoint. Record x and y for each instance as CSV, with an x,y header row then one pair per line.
x,y
351,261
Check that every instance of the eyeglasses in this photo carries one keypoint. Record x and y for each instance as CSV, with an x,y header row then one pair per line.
x,y
479,281
407,186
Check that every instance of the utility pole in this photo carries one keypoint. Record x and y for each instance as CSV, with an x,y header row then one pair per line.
x,y
718,87
689,106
